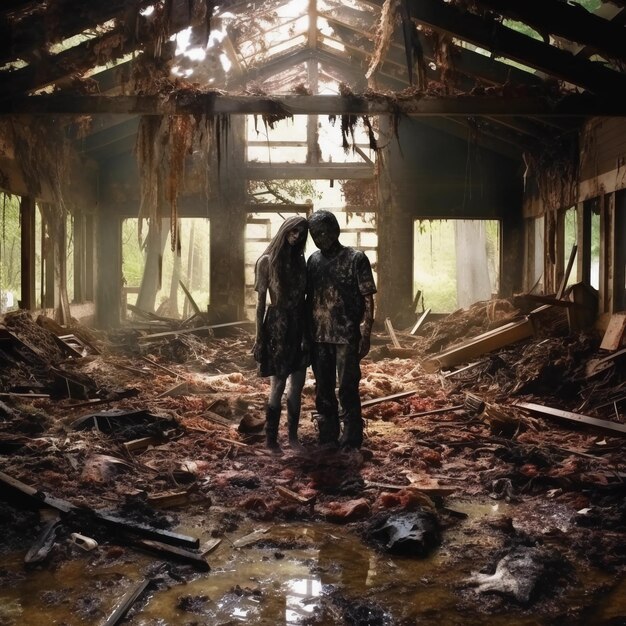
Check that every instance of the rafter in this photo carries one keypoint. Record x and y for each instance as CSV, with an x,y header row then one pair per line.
x,y
568,20
214,103
503,41
21,38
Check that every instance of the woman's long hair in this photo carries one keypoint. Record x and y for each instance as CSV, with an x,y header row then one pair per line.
x,y
284,260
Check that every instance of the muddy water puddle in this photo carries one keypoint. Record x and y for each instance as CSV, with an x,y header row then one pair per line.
x,y
320,573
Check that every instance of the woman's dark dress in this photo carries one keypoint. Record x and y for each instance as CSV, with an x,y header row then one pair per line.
x,y
283,325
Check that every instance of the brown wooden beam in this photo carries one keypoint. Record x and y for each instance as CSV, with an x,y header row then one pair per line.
x,y
213,103
20,38
569,20
506,42
288,171
27,228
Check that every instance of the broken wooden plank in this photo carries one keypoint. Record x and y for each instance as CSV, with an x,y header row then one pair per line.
x,y
445,409
395,396
194,306
127,601
179,389
180,554
250,538
614,335
40,497
550,300
596,366
167,500
24,395
486,342
392,333
40,550
609,428
568,269
199,329
209,546
296,497
161,367
463,369
432,491
420,321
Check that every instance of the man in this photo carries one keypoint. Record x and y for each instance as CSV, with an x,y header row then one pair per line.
x,y
340,303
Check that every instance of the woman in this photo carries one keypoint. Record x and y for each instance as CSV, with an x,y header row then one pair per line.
x,y
281,271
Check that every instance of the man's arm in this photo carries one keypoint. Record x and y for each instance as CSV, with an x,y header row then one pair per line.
x,y
366,325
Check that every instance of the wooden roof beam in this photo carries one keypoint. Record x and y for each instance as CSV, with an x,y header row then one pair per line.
x,y
505,42
213,103
568,20
20,39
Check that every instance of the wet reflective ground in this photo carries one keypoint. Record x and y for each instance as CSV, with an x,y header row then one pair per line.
x,y
294,573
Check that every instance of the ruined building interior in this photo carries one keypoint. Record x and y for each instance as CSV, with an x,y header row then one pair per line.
x,y
475,150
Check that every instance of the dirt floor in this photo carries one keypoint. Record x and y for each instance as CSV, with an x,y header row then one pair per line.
x,y
480,513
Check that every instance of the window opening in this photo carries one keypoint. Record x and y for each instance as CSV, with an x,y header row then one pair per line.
x,y
10,253
455,262
191,267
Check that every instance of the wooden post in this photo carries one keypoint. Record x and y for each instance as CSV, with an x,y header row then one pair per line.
x,y
583,224
27,226
109,269
619,258
604,304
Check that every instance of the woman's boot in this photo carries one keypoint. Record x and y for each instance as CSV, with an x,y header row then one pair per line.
x,y
292,421
272,418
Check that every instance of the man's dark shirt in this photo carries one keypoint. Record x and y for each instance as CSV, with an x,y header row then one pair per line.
x,y
336,287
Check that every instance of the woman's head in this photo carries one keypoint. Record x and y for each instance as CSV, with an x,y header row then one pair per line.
x,y
291,235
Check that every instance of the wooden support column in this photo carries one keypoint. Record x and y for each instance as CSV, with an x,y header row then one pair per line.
x,y
619,264
559,261
605,255
90,255
108,268
27,227
583,237
395,241
611,252
48,285
228,227
79,257
512,250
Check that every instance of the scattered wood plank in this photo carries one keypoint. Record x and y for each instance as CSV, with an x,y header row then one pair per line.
x,y
24,395
199,329
481,344
136,445
168,500
445,409
250,538
209,546
296,497
568,269
609,428
161,367
40,550
597,366
395,396
39,497
194,306
420,321
550,300
463,369
179,554
179,389
217,419
392,333
614,334
430,491
126,602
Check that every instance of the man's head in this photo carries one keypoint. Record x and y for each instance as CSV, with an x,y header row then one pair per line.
x,y
324,229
